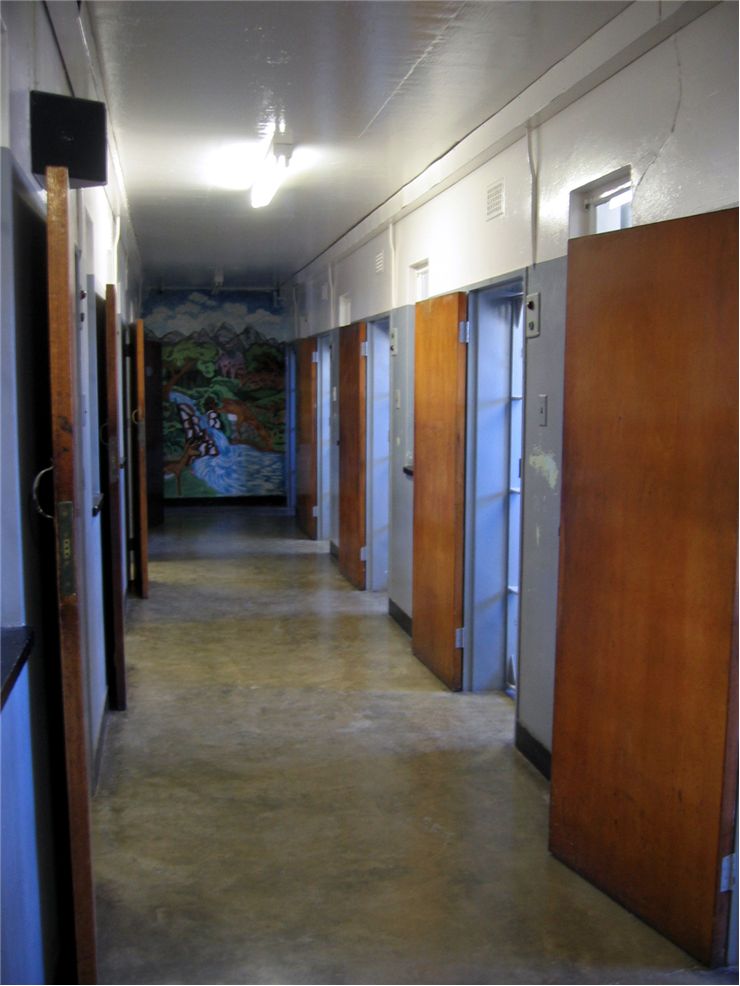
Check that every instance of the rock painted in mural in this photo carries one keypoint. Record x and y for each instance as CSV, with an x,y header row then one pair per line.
x,y
224,401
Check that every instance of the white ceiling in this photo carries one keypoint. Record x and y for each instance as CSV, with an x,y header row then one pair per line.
x,y
372,92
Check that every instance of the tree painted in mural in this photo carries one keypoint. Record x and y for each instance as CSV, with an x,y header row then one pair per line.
x,y
224,413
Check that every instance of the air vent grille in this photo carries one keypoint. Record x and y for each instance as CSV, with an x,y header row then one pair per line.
x,y
495,200
379,262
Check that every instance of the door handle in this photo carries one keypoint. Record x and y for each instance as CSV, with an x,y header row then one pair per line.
x,y
97,503
35,492
136,416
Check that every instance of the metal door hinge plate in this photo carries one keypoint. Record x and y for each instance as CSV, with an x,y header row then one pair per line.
x,y
363,554
464,332
460,638
363,349
66,543
315,511
727,874
315,356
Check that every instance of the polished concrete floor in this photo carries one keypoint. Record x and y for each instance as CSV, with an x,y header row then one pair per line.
x,y
292,798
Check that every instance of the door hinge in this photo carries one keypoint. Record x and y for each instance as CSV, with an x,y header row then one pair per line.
x,y
363,553
460,638
363,349
315,511
727,874
464,332
65,538
315,356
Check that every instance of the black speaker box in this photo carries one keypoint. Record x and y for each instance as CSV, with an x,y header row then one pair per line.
x,y
69,133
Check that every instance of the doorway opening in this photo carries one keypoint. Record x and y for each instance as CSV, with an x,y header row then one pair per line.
x,y
493,487
324,438
378,454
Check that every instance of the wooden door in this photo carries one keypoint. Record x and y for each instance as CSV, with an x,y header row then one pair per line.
x,y
352,452
154,432
110,485
644,748
138,452
306,452
64,421
440,376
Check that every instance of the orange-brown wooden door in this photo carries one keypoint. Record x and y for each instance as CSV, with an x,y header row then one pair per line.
x,y
306,451
352,452
64,423
440,377
110,485
138,446
645,731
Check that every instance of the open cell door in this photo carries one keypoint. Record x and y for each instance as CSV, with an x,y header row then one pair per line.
x,y
352,452
138,451
645,733
110,485
440,376
64,422
154,432
306,452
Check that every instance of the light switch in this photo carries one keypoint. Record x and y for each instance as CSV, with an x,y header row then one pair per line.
x,y
542,410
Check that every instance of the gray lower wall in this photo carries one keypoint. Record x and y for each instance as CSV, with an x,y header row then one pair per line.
x,y
542,469
402,448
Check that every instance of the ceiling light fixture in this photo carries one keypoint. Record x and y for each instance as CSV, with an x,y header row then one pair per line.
x,y
272,170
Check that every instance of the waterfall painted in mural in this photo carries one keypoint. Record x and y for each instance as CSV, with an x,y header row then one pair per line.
x,y
223,394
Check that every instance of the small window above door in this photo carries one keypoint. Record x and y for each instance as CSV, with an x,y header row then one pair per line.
x,y
602,206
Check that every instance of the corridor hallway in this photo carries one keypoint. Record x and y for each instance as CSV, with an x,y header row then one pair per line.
x,y
292,798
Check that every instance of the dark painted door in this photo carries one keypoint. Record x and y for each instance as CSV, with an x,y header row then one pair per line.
x,y
110,485
154,433
138,452
352,452
306,452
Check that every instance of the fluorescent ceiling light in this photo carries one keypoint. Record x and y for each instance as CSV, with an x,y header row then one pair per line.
x,y
235,166
272,170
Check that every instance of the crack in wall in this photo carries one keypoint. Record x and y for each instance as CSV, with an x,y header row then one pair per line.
x,y
679,101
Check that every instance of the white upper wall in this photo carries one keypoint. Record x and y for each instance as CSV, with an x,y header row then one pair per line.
x,y
34,62
667,110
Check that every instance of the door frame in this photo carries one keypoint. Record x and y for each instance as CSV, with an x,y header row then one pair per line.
x,y
324,436
378,431
487,479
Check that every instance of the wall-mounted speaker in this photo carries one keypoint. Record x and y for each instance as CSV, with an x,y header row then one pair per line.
x,y
69,133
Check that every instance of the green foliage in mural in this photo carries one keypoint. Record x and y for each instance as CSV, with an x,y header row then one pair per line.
x,y
242,381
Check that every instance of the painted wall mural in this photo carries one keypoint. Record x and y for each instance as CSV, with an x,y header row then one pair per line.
x,y
223,392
